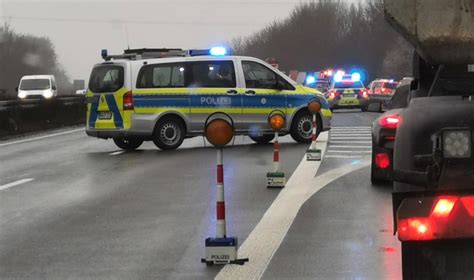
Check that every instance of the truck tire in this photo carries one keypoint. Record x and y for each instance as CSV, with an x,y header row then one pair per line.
x,y
169,133
301,127
128,144
442,259
262,139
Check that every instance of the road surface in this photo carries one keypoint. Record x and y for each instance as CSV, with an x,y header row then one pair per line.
x,y
76,207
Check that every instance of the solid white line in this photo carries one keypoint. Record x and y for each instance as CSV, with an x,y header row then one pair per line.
x,y
342,147
16,183
343,156
116,153
351,142
267,236
41,137
349,152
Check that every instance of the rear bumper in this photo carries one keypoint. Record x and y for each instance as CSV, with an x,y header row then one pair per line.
x,y
380,97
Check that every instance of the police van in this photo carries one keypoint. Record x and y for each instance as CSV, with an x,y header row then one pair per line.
x,y
166,95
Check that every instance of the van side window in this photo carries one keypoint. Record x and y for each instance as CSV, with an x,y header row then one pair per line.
x,y
161,76
259,76
213,74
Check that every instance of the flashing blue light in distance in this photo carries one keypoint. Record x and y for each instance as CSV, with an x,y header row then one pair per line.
x,y
355,77
310,80
338,76
218,51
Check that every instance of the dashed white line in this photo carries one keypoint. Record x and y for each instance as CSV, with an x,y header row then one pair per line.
x,y
350,134
351,127
349,138
41,137
16,183
116,153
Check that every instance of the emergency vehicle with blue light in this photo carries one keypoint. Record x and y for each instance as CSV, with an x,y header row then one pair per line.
x,y
166,95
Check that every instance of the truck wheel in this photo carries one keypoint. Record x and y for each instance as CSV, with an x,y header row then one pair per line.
x,y
169,133
301,128
262,139
128,144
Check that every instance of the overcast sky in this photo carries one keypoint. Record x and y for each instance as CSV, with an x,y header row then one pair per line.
x,y
80,29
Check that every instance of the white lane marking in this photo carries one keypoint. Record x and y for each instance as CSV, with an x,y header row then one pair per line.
x,y
349,152
350,134
345,127
349,138
262,243
41,137
351,142
16,183
116,153
342,156
343,147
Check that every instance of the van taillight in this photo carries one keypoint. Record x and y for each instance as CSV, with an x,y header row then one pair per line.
x,y
128,101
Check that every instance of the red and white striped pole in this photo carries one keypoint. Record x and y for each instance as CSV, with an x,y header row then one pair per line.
x,y
313,153
220,209
276,153
314,136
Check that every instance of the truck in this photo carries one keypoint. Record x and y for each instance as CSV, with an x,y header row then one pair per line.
x,y
433,164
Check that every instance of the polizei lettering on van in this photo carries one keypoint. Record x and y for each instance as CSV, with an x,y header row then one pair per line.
x,y
216,101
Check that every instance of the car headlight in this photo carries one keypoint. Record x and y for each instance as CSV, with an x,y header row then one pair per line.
x,y
48,94
21,95
456,143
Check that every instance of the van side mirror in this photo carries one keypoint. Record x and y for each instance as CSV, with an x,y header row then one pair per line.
x,y
54,88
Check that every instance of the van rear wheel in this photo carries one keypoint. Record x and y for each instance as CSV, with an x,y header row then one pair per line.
x,y
128,144
169,133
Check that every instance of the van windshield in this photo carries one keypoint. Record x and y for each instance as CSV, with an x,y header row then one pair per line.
x,y
35,84
107,78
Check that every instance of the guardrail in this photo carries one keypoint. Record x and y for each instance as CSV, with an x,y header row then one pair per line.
x,y
20,116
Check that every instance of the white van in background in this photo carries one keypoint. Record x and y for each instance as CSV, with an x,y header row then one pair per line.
x,y
39,86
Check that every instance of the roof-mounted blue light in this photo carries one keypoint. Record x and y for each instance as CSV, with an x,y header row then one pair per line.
x,y
310,80
104,53
339,76
218,51
355,77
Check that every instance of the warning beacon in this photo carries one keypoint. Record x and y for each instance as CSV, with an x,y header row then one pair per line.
x,y
276,178
220,249
314,154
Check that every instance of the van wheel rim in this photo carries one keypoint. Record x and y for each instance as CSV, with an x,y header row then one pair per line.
x,y
305,128
170,133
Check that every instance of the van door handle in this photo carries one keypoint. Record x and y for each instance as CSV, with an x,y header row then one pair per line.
x,y
250,92
232,91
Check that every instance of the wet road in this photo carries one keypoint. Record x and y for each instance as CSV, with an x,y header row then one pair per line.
x,y
76,207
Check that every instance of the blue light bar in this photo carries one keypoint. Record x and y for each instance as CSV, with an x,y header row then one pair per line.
x,y
355,77
338,76
104,53
218,51
310,80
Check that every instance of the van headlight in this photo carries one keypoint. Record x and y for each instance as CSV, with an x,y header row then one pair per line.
x,y
48,94
21,95
456,143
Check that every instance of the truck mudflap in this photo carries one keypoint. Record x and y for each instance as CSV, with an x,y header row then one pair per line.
x,y
436,217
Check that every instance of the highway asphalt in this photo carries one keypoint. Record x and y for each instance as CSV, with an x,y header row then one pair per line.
x,y
74,207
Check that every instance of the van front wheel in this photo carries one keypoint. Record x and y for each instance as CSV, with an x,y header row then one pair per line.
x,y
169,133
302,127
